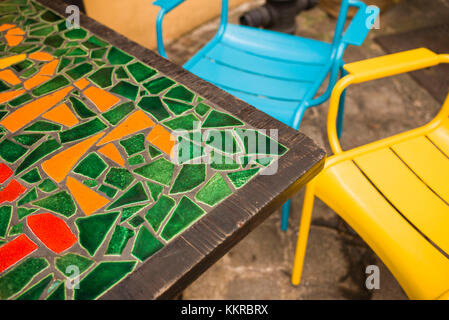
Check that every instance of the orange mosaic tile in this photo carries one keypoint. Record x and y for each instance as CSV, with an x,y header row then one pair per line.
x,y
6,26
16,32
102,99
10,77
61,114
9,95
112,153
162,139
41,56
30,111
15,250
13,40
50,68
59,165
54,233
88,200
6,62
43,75
135,122
82,83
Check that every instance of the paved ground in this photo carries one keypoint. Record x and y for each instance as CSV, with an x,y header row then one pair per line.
x,y
259,267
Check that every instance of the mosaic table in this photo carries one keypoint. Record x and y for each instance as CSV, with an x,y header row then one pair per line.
x,y
115,178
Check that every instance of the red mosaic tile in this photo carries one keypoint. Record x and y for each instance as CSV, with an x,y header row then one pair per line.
x,y
15,250
52,231
5,172
11,192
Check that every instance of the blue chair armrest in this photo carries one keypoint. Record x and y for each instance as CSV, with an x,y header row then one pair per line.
x,y
168,5
361,24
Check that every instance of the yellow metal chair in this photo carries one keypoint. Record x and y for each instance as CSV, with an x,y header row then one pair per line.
x,y
394,192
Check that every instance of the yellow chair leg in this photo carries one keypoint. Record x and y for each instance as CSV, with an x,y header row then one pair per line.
x,y
304,227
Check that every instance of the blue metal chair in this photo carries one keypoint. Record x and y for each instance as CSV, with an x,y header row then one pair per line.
x,y
277,73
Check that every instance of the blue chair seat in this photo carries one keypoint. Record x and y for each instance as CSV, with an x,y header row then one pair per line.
x,y
273,74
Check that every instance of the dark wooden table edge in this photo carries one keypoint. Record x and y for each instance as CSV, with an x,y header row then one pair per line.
x,y
229,222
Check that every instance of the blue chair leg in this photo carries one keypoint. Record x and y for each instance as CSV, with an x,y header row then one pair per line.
x,y
285,214
341,109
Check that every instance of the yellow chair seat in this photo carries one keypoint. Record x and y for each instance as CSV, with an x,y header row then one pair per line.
x,y
393,192
396,197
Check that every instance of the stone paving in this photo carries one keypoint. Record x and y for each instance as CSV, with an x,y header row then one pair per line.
x,y
259,267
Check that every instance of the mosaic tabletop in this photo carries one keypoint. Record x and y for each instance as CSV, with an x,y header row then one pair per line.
x,y
104,159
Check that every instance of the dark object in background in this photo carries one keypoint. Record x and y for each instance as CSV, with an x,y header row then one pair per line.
x,y
277,15
79,3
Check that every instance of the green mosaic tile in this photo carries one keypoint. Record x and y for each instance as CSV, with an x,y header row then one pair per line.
x,y
102,77
214,191
257,143
63,63
66,262
117,56
135,160
75,34
110,192
44,149
47,186
99,63
104,276
134,144
188,122
155,190
136,221
187,150
22,65
153,152
28,73
81,131
60,202
28,197
159,211
23,212
94,229
81,109
28,139
130,211
154,106
50,16
118,177
20,100
201,109
90,183
189,177
240,178
120,73
134,195
219,161
184,215
40,126
146,244
158,85
116,114
31,176
19,277
42,32
177,107
223,141
160,170
54,41
4,86
36,291
264,161
3,114
181,93
119,240
79,71
98,53
5,218
126,89
140,72
92,166
58,293
16,229
11,151
94,42
76,52
217,119
51,85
